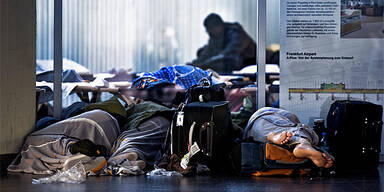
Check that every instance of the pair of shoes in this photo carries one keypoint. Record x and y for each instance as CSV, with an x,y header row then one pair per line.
x,y
91,164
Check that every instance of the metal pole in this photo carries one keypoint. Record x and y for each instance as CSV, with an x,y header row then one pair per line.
x,y
261,40
58,59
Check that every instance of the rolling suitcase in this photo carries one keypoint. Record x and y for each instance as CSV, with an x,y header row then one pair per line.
x,y
354,134
202,132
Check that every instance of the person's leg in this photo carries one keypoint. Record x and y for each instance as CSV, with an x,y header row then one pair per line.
x,y
305,150
279,138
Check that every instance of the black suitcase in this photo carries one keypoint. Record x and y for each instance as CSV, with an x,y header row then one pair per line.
x,y
354,134
212,132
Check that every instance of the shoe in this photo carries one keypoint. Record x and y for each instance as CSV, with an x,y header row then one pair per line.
x,y
91,164
139,163
131,156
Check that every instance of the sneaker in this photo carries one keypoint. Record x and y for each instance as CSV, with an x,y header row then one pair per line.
x,y
91,164
139,163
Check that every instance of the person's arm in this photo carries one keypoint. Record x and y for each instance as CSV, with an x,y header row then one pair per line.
x,y
235,45
203,54
233,49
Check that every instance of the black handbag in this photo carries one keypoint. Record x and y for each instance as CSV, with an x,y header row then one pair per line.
x,y
205,92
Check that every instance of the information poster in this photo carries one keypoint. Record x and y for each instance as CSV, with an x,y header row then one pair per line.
x,y
330,50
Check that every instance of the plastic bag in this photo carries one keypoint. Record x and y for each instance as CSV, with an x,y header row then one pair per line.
x,y
75,174
162,172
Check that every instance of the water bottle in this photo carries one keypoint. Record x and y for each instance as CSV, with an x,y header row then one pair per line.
x,y
319,127
323,142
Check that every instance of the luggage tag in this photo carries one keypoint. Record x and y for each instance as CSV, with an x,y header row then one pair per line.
x,y
180,118
185,160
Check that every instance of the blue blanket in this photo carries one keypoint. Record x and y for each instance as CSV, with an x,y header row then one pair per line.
x,y
182,75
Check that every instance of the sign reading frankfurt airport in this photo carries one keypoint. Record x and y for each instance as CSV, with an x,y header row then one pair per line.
x,y
330,50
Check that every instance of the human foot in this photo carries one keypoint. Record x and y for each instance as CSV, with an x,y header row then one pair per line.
x,y
318,158
279,138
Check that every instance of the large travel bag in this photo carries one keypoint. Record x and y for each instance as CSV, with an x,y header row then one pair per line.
x,y
354,134
202,132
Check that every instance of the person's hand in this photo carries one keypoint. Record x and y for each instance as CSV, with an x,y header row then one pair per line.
x,y
217,57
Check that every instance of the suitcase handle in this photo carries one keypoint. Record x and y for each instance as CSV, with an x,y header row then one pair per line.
x,y
208,128
191,135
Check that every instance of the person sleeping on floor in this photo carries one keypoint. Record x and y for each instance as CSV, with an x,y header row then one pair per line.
x,y
282,127
47,150
95,138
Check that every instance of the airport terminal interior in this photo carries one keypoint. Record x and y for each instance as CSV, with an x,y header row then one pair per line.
x,y
202,95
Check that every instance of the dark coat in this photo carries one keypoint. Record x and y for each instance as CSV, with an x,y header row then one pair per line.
x,y
234,50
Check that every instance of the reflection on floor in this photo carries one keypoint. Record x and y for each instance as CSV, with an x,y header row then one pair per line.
x,y
371,27
371,182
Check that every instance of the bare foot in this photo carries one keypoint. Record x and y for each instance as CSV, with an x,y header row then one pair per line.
x,y
305,150
279,138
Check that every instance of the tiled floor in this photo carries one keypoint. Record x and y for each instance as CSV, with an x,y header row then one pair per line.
x,y
358,182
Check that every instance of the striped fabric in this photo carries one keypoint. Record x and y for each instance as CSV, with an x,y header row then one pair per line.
x,y
146,140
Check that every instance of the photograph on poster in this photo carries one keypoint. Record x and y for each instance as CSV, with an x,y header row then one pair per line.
x,y
362,19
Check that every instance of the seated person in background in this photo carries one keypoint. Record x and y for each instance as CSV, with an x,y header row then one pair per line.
x,y
284,128
229,47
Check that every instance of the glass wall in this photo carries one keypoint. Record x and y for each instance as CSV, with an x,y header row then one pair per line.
x,y
141,35
106,37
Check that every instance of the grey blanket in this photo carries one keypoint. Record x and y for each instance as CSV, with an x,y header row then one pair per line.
x,y
146,140
267,120
44,151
